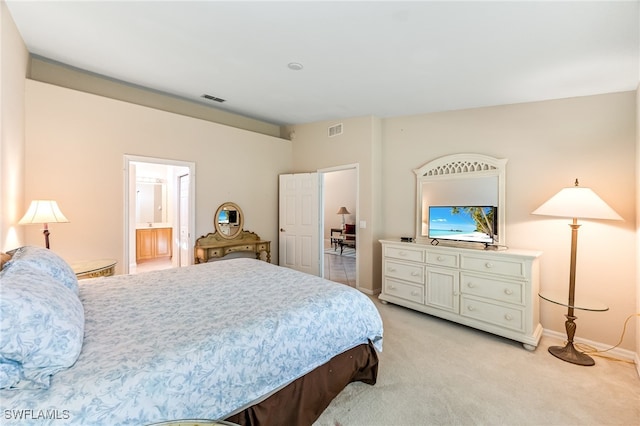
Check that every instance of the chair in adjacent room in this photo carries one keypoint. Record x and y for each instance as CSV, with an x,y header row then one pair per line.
x,y
349,237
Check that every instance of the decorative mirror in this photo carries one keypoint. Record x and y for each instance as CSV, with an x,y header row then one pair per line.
x,y
228,220
460,182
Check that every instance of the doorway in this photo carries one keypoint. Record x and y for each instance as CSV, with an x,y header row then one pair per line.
x,y
339,189
160,213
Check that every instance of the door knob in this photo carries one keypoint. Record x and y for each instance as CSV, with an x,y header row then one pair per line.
x,y
282,230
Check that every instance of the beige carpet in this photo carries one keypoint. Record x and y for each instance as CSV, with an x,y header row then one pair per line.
x,y
434,372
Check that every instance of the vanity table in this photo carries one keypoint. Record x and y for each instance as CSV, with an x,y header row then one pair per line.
x,y
229,237
212,246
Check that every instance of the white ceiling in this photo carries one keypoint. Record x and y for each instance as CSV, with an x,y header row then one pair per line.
x,y
360,57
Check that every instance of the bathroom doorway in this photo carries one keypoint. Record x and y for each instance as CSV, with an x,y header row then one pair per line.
x,y
160,213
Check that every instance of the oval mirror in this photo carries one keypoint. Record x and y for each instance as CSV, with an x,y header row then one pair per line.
x,y
228,220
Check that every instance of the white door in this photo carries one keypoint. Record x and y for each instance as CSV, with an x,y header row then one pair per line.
x,y
299,243
183,220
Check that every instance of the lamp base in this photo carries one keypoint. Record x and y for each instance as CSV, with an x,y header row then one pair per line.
x,y
570,354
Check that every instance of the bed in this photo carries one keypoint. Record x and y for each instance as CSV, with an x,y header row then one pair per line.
x,y
239,340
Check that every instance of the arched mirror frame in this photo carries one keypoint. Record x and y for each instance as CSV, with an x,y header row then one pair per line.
x,y
462,166
233,231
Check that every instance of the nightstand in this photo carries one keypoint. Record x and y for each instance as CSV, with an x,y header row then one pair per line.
x,y
94,268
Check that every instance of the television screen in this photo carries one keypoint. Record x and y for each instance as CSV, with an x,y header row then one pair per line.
x,y
223,216
463,223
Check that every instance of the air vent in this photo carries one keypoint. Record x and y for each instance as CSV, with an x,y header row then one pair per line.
x,y
335,130
213,98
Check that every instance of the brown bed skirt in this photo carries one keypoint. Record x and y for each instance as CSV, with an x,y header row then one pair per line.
x,y
302,401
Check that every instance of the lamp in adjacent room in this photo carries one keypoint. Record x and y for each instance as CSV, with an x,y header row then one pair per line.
x,y
343,210
574,202
43,212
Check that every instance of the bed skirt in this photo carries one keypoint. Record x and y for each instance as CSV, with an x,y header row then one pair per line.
x,y
303,400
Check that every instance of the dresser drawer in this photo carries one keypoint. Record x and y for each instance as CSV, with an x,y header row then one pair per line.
x,y
513,268
504,291
493,313
404,271
404,253
412,292
442,259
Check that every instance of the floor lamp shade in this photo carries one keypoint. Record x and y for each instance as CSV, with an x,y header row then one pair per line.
x,y
574,202
43,212
577,202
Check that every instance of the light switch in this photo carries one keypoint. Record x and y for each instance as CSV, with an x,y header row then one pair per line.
x,y
363,224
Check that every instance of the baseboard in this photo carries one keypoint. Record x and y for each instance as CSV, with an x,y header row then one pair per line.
x,y
624,354
367,291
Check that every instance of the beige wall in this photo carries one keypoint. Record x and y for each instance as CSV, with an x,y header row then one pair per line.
x,y
47,71
359,144
75,150
13,59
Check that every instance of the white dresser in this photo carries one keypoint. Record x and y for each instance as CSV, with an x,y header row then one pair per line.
x,y
494,291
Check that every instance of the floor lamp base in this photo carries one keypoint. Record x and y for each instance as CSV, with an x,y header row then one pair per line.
x,y
571,354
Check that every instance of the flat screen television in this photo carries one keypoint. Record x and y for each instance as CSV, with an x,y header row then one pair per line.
x,y
476,224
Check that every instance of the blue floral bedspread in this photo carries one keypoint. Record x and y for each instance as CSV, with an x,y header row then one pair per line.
x,y
196,342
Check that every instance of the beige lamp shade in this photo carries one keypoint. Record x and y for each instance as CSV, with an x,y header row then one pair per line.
x,y
343,210
577,202
43,211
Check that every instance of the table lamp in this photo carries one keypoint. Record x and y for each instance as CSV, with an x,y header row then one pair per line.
x,y
343,211
44,212
574,202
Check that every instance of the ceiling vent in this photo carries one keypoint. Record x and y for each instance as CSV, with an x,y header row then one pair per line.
x,y
335,130
213,98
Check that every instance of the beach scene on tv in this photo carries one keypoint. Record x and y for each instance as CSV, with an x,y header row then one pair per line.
x,y
474,224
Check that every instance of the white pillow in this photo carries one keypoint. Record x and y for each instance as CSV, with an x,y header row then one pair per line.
x,y
42,324
47,261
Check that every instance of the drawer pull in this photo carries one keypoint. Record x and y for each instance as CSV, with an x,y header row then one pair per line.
x,y
402,253
390,269
488,265
508,317
470,285
415,274
392,287
440,259
508,291
415,293
470,308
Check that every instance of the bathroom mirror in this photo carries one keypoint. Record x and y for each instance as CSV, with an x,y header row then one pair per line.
x,y
461,180
228,220
151,201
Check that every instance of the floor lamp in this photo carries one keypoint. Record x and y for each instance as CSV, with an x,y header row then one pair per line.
x,y
574,202
43,212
